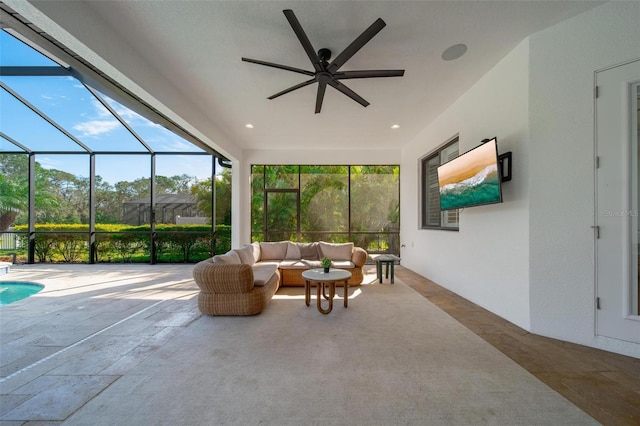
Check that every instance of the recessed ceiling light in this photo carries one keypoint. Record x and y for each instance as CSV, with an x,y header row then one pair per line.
x,y
395,126
454,52
249,126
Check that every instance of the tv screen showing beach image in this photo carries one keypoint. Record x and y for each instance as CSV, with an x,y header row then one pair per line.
x,y
471,179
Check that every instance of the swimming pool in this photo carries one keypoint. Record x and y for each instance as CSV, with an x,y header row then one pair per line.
x,y
12,291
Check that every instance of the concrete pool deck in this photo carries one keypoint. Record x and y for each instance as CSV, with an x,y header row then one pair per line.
x,y
4,267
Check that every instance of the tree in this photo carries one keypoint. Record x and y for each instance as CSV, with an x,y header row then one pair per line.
x,y
108,206
9,204
334,200
324,197
202,190
69,191
178,184
375,191
62,197
14,190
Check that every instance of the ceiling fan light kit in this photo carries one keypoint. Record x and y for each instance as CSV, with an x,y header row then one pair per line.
x,y
325,72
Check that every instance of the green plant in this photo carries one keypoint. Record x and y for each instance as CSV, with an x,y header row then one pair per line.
x,y
126,243
326,262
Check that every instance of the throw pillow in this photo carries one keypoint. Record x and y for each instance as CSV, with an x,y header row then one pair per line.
x,y
256,252
293,251
229,258
246,254
308,251
336,251
273,251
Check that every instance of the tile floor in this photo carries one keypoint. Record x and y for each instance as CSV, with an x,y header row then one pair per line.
x,y
603,384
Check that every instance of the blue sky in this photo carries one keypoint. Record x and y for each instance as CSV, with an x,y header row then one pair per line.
x,y
74,108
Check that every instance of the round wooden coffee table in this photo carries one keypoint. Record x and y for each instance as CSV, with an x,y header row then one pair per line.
x,y
322,279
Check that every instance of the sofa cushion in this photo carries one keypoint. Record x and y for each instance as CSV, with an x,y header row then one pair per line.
x,y
275,263
262,273
246,254
309,251
343,264
336,251
273,251
293,251
300,264
256,252
229,258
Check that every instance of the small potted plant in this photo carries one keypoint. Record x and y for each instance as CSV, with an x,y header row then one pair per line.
x,y
326,264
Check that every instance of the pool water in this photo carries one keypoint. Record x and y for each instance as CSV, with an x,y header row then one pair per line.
x,y
12,291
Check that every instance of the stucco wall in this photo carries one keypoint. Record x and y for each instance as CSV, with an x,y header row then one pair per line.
x,y
530,259
562,65
487,260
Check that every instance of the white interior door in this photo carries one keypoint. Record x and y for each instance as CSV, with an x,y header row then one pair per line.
x,y
617,202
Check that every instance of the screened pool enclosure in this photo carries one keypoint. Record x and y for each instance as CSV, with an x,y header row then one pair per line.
x,y
86,178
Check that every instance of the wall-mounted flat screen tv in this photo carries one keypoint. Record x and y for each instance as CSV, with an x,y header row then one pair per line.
x,y
471,179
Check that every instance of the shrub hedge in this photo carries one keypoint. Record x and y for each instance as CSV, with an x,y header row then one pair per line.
x,y
125,243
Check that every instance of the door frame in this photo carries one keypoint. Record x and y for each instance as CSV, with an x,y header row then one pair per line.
x,y
626,122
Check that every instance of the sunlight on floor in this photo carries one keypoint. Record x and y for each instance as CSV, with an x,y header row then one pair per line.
x,y
357,292
124,284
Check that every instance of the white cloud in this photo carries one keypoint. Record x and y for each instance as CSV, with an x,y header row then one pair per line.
x,y
101,110
96,127
55,100
127,114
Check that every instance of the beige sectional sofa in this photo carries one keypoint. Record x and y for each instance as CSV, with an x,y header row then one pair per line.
x,y
242,281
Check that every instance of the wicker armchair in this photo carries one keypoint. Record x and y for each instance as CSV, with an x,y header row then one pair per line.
x,y
231,290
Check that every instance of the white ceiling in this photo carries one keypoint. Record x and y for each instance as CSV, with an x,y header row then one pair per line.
x,y
197,45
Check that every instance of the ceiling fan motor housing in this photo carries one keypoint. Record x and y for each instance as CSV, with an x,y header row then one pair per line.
x,y
324,54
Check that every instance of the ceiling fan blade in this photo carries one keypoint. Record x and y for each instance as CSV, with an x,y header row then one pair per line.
x,y
356,45
368,74
282,67
322,87
304,40
292,88
350,93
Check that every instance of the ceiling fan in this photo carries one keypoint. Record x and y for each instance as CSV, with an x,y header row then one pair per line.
x,y
326,73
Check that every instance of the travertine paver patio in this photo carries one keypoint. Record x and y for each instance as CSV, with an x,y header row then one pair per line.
x,y
89,326
126,344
